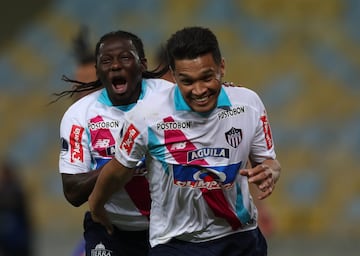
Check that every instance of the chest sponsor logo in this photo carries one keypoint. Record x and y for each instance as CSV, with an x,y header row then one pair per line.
x,y
103,125
128,140
101,136
76,148
175,125
267,131
231,112
207,152
211,177
233,137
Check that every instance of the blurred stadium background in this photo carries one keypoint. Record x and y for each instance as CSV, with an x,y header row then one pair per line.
x,y
301,56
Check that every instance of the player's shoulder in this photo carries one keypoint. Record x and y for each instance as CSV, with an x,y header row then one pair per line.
x,y
158,84
81,106
158,90
244,96
87,99
156,102
240,91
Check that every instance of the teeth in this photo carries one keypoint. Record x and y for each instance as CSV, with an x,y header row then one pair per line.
x,y
201,99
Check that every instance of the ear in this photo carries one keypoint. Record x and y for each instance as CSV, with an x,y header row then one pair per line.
x,y
172,72
144,64
222,67
173,77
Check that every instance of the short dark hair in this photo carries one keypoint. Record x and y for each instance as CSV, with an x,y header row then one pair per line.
x,y
192,42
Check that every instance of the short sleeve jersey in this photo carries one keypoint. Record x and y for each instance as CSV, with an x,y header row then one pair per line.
x,y
193,161
88,132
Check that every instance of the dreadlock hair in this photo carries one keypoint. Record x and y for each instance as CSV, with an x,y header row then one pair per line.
x,y
83,86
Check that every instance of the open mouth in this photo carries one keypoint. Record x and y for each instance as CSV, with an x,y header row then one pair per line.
x,y
119,84
201,101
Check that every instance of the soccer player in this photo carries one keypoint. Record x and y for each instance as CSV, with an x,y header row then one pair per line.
x,y
196,137
88,131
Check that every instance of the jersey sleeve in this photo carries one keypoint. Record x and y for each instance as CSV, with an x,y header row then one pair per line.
x,y
75,154
263,146
130,145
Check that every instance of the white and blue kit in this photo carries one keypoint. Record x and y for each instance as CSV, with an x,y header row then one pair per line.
x,y
193,161
88,132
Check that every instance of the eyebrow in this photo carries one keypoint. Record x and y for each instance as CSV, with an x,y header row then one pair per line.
x,y
205,73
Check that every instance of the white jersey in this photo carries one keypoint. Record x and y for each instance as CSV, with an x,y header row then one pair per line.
x,y
88,131
193,161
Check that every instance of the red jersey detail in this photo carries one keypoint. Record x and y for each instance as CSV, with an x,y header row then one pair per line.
x,y
128,140
214,197
76,148
140,197
267,131
101,138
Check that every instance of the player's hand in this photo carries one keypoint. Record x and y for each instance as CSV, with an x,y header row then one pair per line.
x,y
262,176
99,215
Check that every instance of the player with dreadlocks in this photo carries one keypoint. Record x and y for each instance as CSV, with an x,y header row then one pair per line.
x,y
88,131
86,80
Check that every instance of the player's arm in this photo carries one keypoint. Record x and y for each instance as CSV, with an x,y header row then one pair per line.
x,y
113,176
78,179
266,168
78,187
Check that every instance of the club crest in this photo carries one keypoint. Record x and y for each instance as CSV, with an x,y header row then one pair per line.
x,y
233,137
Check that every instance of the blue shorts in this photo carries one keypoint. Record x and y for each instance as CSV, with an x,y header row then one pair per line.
x,y
120,243
248,243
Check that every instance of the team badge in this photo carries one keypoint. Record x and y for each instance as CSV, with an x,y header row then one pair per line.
x,y
233,137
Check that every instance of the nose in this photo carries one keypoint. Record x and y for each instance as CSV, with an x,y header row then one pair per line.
x,y
116,65
199,88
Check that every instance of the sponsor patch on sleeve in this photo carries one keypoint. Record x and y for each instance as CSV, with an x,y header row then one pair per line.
x,y
76,148
267,131
129,137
